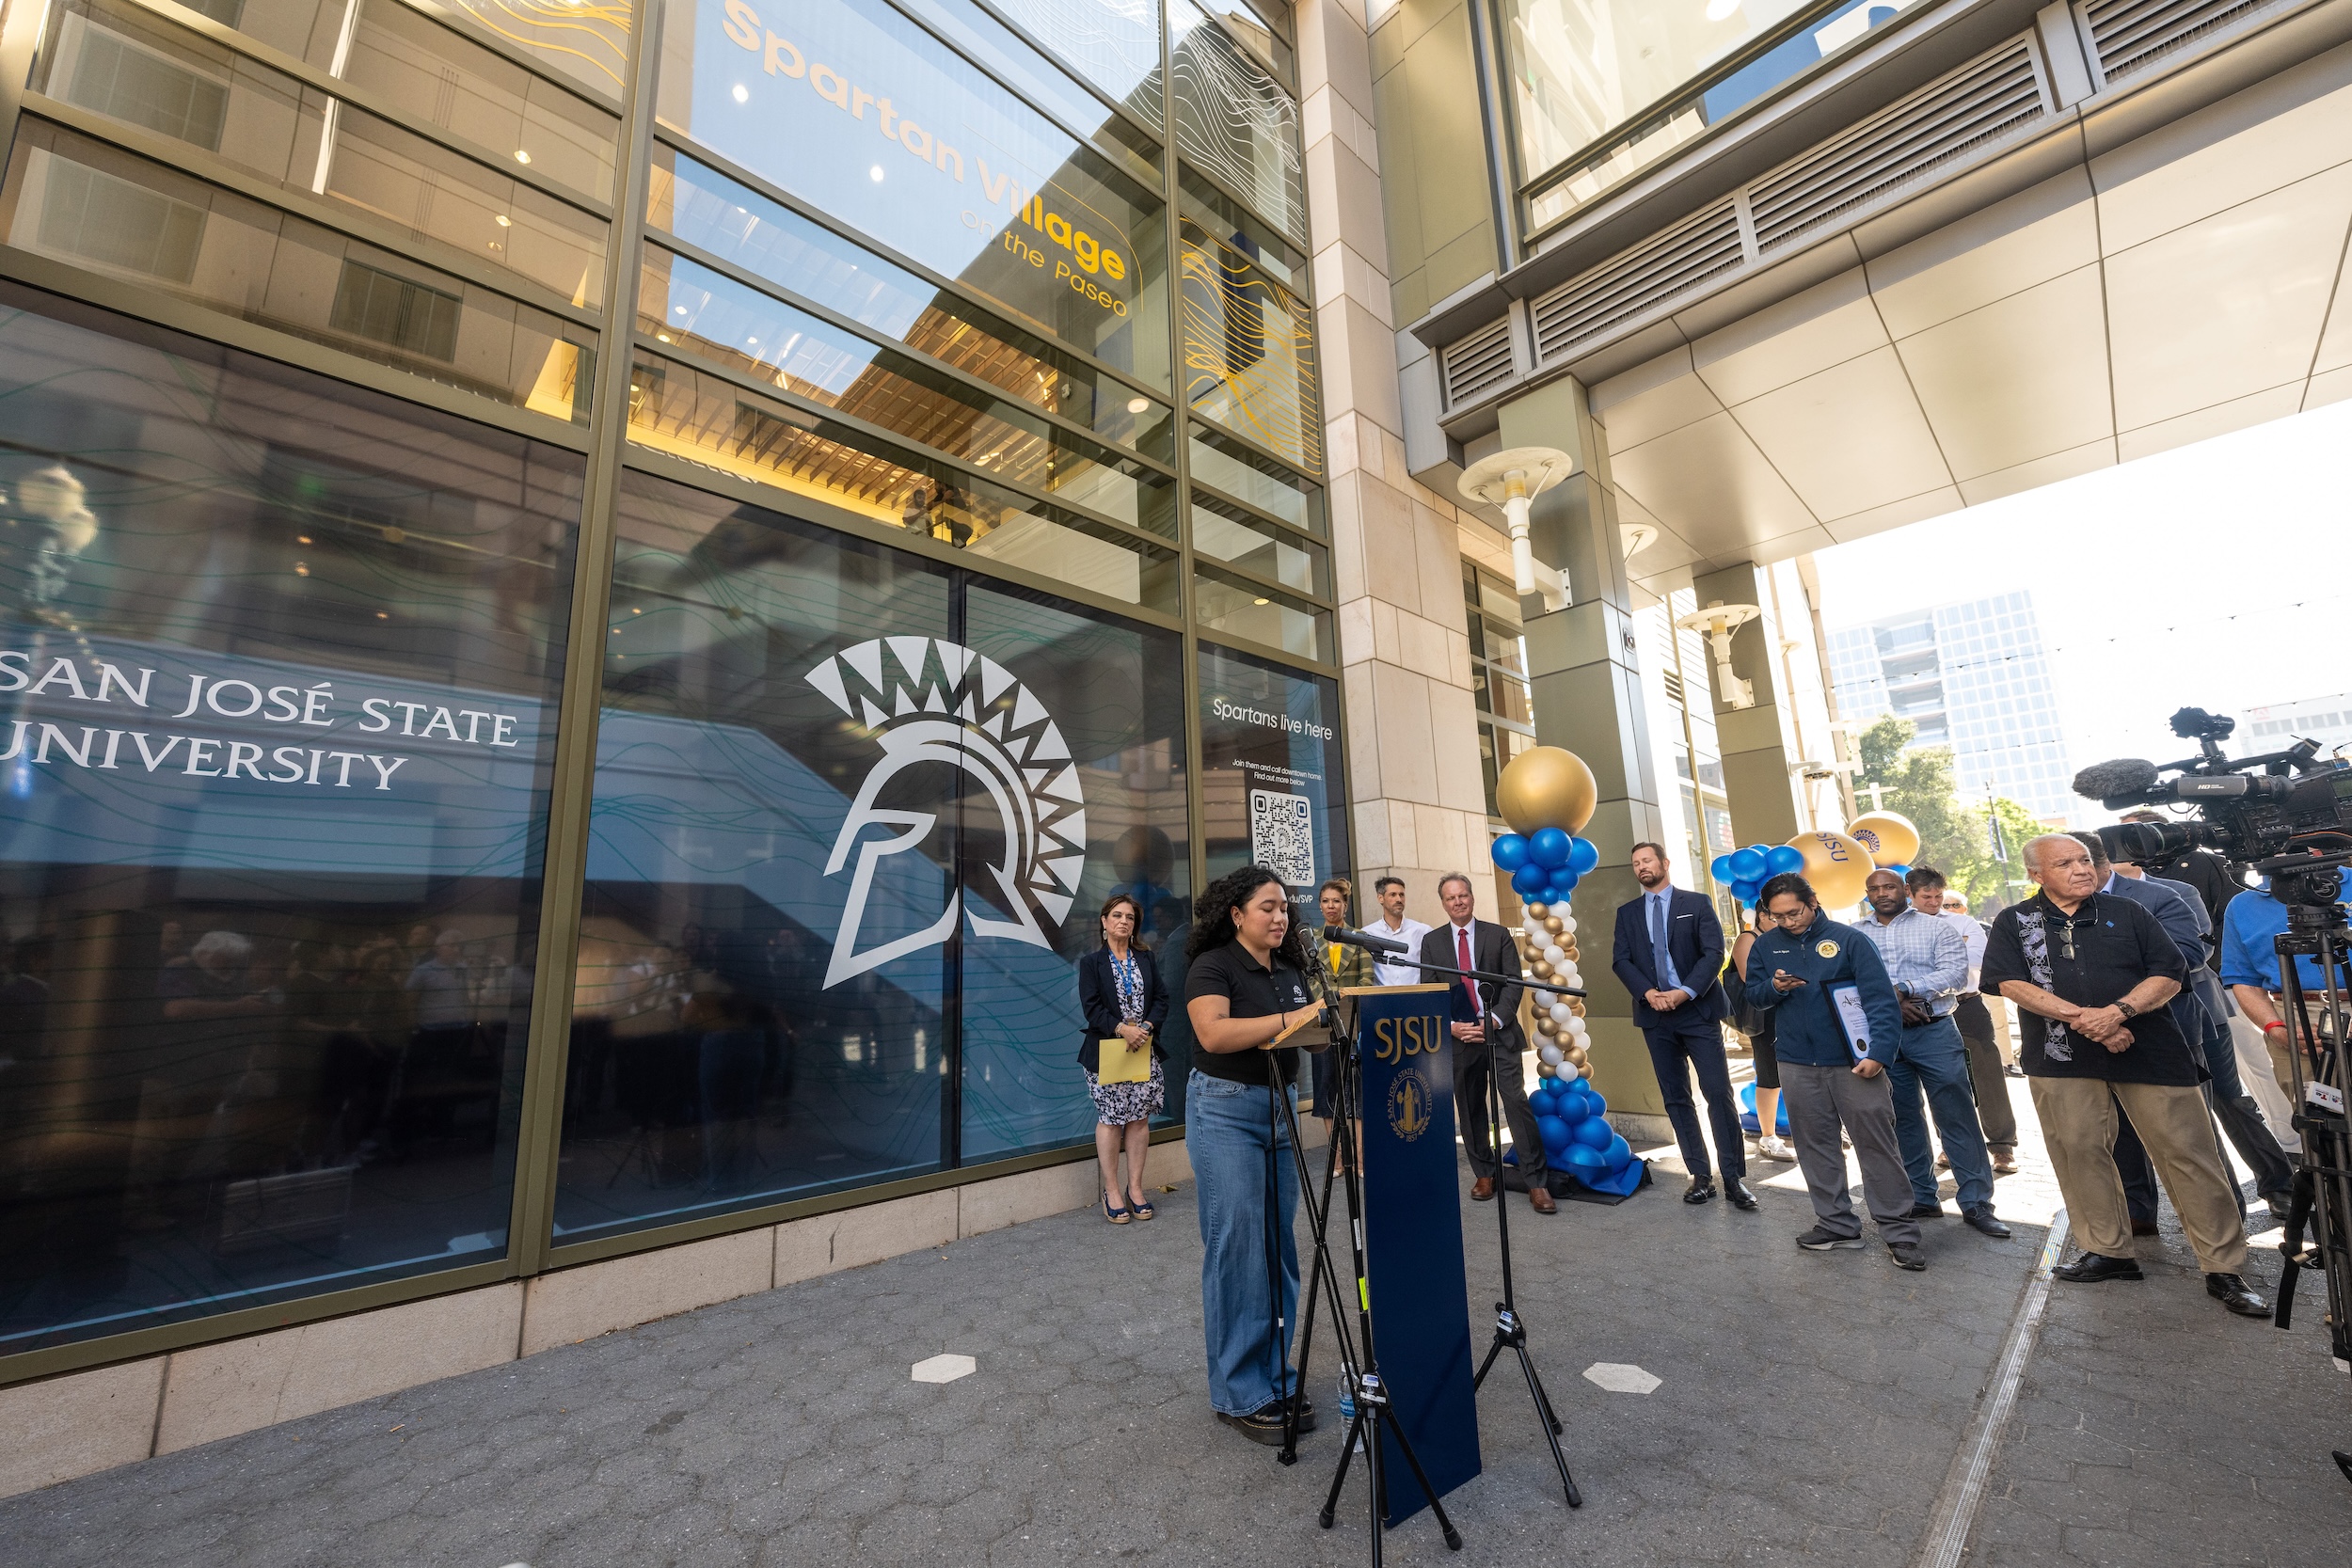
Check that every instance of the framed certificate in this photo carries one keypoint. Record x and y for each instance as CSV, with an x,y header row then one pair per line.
x,y
1847,1000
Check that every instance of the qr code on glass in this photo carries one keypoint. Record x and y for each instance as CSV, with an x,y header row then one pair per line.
x,y
1282,836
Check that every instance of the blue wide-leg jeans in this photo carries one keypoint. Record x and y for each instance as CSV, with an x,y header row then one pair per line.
x,y
1228,1135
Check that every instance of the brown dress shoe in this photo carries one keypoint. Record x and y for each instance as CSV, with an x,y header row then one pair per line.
x,y
1540,1200
1482,1188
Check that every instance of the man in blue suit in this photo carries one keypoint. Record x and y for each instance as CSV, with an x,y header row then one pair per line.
x,y
1668,953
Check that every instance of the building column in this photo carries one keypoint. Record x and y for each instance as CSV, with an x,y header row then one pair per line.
x,y
1582,663
1418,797
1758,742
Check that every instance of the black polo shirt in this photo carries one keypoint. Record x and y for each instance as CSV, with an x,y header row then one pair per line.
x,y
2093,958
1250,990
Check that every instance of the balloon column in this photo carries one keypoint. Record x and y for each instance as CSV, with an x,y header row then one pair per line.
x,y
1568,1115
1547,794
1746,871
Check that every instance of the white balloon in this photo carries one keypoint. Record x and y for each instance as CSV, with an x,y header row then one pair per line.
x,y
1555,954
1575,1026
1561,1014
1568,925
1551,1053
1543,1000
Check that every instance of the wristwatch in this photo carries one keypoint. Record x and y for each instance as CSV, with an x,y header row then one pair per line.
x,y
2127,1009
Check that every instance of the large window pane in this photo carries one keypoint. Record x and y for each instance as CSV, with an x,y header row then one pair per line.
x,y
735,224
99,207
277,660
1271,789
1238,608
982,188
1235,121
125,63
1250,350
735,1039
1113,43
1114,695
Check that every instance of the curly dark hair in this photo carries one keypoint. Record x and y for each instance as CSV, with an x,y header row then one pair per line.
x,y
1212,916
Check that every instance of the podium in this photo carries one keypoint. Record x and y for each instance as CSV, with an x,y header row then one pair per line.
x,y
1416,1288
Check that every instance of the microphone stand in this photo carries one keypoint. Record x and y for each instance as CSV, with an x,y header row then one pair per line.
x,y
1510,1328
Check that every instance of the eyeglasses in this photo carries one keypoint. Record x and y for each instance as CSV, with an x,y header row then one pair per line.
x,y
1800,915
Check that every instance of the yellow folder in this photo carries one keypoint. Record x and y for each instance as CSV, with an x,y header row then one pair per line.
x,y
1121,1065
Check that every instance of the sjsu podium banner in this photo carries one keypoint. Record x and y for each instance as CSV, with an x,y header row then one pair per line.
x,y
1419,1296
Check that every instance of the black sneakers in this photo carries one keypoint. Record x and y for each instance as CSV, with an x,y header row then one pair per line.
x,y
1264,1424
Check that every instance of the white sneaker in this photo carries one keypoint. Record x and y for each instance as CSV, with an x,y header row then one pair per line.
x,y
1775,1149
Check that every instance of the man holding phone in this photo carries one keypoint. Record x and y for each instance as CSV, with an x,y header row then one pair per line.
x,y
1837,1025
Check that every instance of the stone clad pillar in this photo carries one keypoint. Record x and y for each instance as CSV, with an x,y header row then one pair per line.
x,y
1757,742
1418,797
1588,698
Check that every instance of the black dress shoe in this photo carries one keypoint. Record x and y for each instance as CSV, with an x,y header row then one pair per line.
x,y
1737,1193
2235,1294
2093,1267
1980,1217
1702,1188
1925,1211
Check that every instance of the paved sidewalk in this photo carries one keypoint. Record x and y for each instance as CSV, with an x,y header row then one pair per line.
x,y
1809,1412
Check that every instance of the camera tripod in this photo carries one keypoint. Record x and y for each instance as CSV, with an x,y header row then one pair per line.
x,y
2322,1202
1362,1377
1510,1328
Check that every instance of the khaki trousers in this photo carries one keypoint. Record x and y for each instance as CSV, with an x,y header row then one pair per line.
x,y
2078,1125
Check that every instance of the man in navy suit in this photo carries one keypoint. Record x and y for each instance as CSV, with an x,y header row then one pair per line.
x,y
1668,953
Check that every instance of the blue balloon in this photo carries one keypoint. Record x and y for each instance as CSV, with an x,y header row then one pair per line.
x,y
1720,868
1900,870
1619,1154
1557,1134
1746,891
1783,861
1584,854
1562,883
1747,865
1762,848
1570,1107
1528,880
1509,852
1594,1104
1548,847
1539,1100
1580,1158
1592,1132
1510,1156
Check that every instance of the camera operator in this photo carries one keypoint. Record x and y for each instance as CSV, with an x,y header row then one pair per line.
x,y
2092,973
1247,984
2250,967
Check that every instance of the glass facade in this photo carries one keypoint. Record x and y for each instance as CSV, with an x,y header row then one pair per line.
x,y
1600,88
561,698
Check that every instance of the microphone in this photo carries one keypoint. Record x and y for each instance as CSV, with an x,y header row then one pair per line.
x,y
2103,780
1364,940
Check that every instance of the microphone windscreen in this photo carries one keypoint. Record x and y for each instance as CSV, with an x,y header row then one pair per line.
x,y
2123,776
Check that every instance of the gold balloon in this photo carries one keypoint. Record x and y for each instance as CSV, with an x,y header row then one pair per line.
x,y
1554,924
1886,836
1836,865
1542,970
1578,1054
1547,787
1535,910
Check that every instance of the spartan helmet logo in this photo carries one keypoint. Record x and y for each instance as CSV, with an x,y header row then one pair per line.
x,y
931,701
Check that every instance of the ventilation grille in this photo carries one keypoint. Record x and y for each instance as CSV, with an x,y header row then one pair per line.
x,y
1982,99
1477,362
2133,33
1699,247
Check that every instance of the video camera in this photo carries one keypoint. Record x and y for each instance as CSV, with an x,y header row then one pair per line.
x,y
2252,809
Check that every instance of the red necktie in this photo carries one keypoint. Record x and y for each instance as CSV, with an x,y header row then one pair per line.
x,y
1461,940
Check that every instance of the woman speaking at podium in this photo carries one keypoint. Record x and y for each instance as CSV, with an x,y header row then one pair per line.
x,y
1247,985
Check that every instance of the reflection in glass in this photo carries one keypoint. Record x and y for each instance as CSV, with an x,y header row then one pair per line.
x,y
277,667
130,66
97,207
586,40
1247,476
752,334
1249,350
1581,69
1241,540
1238,608
1117,699
731,221
1113,43
716,422
1235,121
982,188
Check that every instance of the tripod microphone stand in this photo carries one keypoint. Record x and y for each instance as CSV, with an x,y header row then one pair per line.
x,y
1362,1377
1510,1328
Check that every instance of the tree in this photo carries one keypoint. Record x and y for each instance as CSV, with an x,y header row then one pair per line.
x,y
1955,838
